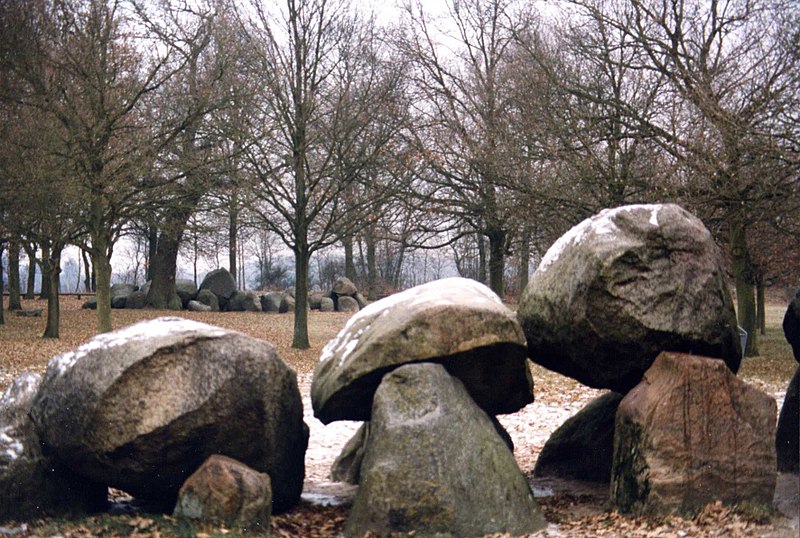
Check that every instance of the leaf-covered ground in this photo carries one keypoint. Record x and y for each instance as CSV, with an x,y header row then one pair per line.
x,y
572,509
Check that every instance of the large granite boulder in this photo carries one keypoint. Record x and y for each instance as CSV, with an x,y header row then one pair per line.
x,y
186,290
791,326
689,434
287,304
582,448
456,322
31,485
222,284
787,436
136,300
245,301
120,293
197,306
347,465
419,475
344,287
227,492
326,305
271,301
208,298
346,304
621,287
141,408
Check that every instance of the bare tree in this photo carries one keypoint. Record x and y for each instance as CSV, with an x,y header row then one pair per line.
x,y
320,106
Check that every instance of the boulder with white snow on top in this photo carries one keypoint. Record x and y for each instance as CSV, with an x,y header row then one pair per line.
x,y
141,408
456,322
623,286
31,484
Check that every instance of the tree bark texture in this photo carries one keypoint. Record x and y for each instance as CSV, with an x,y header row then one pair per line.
x,y
14,302
102,269
30,251
2,316
497,261
53,265
301,262
745,289
349,263
44,291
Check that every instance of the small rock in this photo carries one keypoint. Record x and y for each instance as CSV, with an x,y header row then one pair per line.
x,y
347,304
197,306
287,304
271,301
347,465
326,305
208,298
227,492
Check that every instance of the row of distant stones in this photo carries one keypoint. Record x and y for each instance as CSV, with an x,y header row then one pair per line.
x,y
631,300
218,293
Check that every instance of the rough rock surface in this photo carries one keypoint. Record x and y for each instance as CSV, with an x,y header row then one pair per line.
x,y
582,448
271,301
287,304
197,306
621,287
227,492
245,301
344,287
791,325
141,408
136,300
186,290
419,475
689,434
326,305
221,283
456,322
347,304
32,486
208,298
787,436
347,465
314,300
90,303
120,293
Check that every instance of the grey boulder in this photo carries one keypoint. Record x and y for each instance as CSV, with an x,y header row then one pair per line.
x,y
245,301
287,304
136,300
271,301
347,465
621,287
456,322
186,290
221,283
31,484
344,286
141,408
419,475
346,304
326,305
120,293
197,306
583,447
208,298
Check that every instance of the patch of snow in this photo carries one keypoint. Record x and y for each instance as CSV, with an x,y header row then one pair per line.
x,y
138,331
601,224
541,491
13,447
323,499
446,291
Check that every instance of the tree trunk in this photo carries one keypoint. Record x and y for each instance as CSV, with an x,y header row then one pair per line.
x,y
53,264
497,261
301,261
2,315
481,258
163,266
14,302
89,280
152,246
761,305
524,259
349,262
233,235
372,267
30,251
745,293
102,269
44,291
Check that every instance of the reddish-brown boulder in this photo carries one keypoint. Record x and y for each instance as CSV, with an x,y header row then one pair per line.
x,y
227,492
692,433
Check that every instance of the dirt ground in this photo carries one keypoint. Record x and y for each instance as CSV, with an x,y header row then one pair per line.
x,y
571,508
